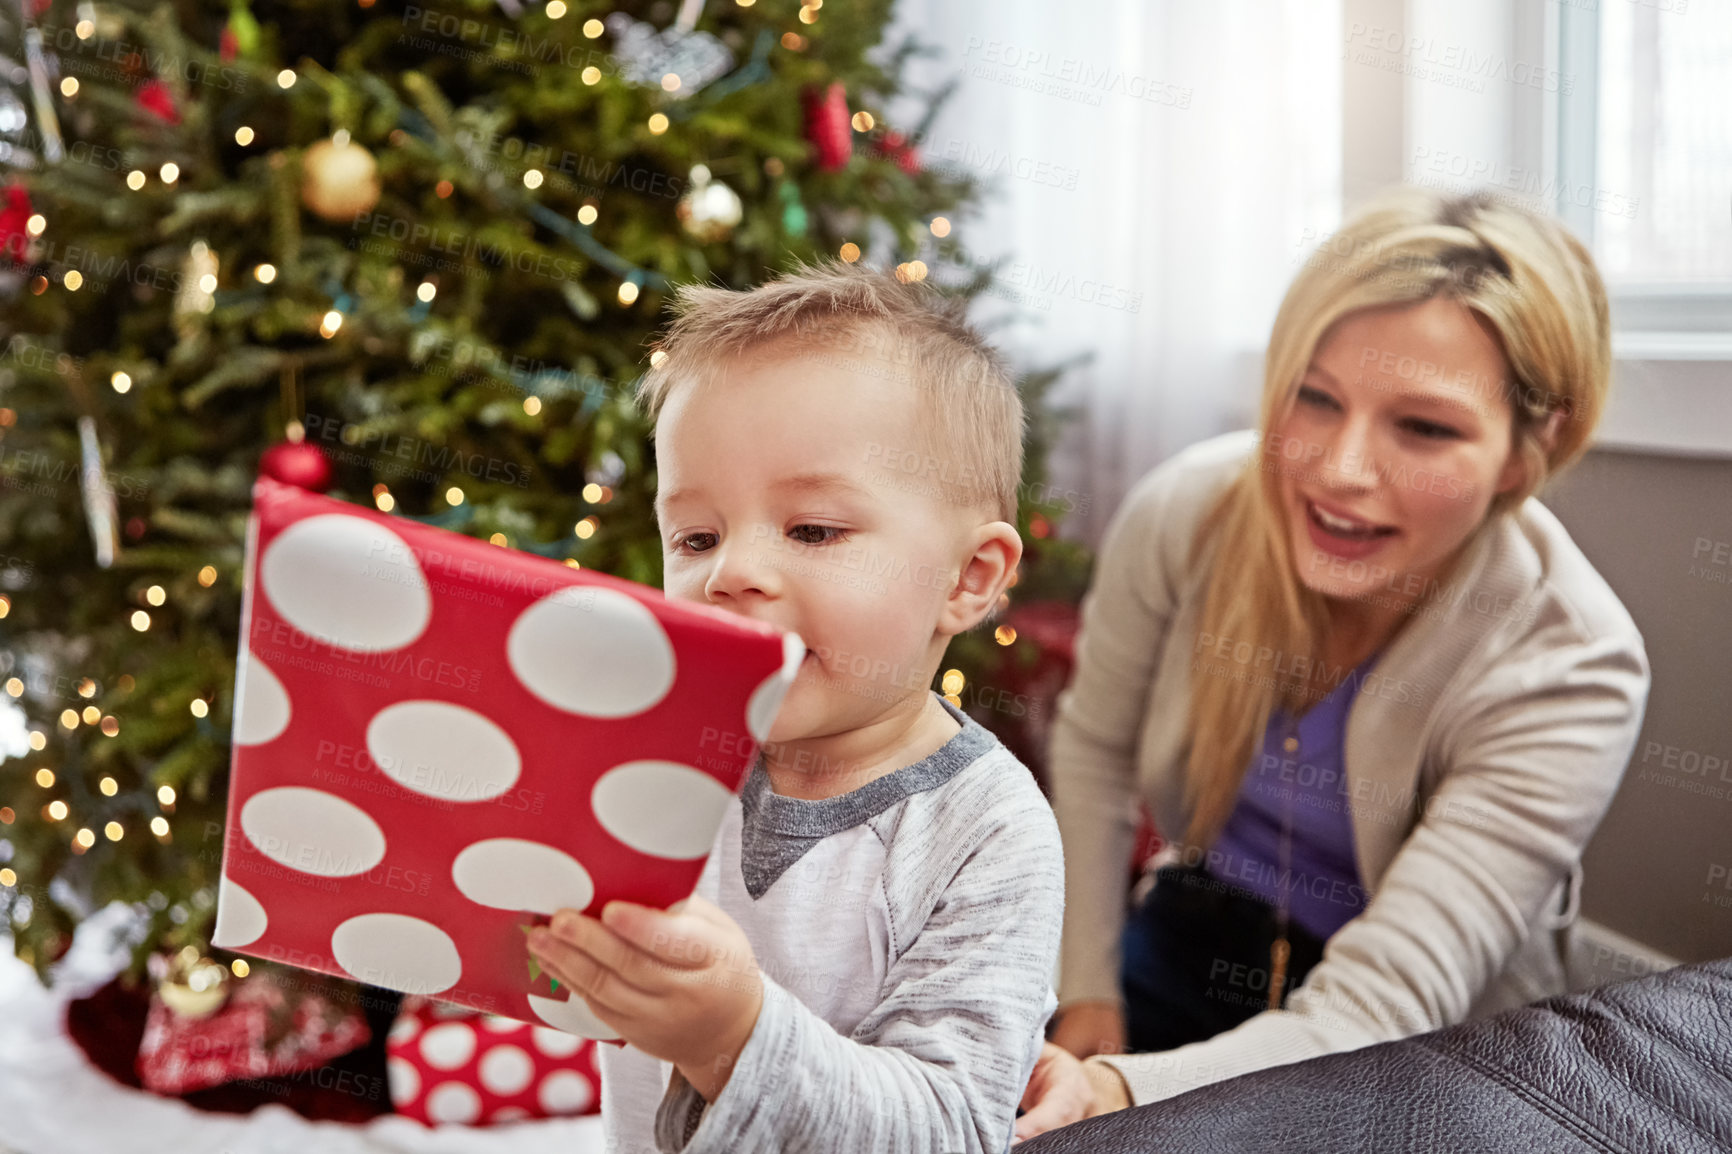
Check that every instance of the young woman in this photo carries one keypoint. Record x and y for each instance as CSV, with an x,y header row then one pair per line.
x,y
1371,692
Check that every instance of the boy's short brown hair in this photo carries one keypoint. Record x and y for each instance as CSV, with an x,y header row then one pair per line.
x,y
971,419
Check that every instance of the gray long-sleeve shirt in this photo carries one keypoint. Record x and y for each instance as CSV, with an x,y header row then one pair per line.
x,y
907,933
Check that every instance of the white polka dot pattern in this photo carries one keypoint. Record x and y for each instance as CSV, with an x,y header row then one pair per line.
x,y
510,873
397,952
313,831
591,651
442,750
240,917
348,582
264,710
661,808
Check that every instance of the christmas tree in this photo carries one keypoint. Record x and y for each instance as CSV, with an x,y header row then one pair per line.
x,y
410,253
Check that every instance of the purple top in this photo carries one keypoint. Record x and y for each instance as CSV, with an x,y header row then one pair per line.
x,y
1322,885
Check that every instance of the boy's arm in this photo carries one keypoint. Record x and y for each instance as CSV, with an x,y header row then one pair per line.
x,y
939,1065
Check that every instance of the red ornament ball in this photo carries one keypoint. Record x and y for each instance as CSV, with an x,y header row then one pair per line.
x,y
827,125
156,99
302,465
896,147
14,215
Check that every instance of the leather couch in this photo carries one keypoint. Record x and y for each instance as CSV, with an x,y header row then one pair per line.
x,y
1639,1066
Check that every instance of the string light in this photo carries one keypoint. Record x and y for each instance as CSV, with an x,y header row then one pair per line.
x,y
45,777
454,496
113,830
593,28
627,292
243,136
497,539
121,382
69,718
36,224
8,878
57,811
140,620
85,837
658,123
671,82
587,214
85,29
169,172
572,563
532,178
156,595
159,826
207,576
332,321
265,273
5,608
15,687
1004,635
444,189
793,41
384,500
109,787
69,86
745,3
7,817
850,252
590,75
532,405
657,357
239,965
198,707
73,279
863,121
585,529
940,226
592,493
135,179
953,681
110,726
165,794
286,78
91,715
38,740
555,9
426,291
808,15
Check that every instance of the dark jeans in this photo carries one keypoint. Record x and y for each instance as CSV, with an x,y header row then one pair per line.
x,y
1196,959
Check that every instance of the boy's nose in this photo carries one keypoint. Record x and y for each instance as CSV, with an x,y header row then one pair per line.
x,y
742,569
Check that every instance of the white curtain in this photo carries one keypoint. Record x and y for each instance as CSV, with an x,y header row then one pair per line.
x,y
1159,170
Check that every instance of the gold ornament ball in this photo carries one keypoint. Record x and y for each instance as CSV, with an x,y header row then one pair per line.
x,y
339,180
195,991
709,210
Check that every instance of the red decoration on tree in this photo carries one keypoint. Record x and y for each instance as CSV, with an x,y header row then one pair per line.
x,y
896,147
156,99
827,125
301,465
14,214
228,45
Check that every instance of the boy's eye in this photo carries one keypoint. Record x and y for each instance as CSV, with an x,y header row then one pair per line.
x,y
681,544
817,534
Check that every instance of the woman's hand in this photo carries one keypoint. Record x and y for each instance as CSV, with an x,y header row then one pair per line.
x,y
1086,1028
1063,1090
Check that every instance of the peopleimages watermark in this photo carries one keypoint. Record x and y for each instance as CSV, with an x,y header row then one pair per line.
x,y
565,168
1065,77
131,63
451,249
1511,184
1454,65
440,460
501,45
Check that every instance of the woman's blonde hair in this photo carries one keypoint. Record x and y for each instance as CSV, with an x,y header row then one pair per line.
x,y
1536,287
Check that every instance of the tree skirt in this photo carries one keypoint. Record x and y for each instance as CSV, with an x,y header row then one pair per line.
x,y
56,1099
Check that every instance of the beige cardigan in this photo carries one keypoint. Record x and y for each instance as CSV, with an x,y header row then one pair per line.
x,y
1481,753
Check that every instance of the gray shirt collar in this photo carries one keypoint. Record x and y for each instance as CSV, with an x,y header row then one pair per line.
x,y
777,831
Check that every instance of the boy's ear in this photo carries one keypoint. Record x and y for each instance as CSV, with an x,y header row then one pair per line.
x,y
983,578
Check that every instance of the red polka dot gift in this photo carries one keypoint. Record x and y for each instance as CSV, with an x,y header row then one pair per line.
x,y
439,742
447,1065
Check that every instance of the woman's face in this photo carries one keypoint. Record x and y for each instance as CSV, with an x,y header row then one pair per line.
x,y
1393,449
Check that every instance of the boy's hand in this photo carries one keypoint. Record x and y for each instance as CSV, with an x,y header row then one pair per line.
x,y
682,986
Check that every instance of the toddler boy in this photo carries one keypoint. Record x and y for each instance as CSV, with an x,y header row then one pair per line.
x,y
866,963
